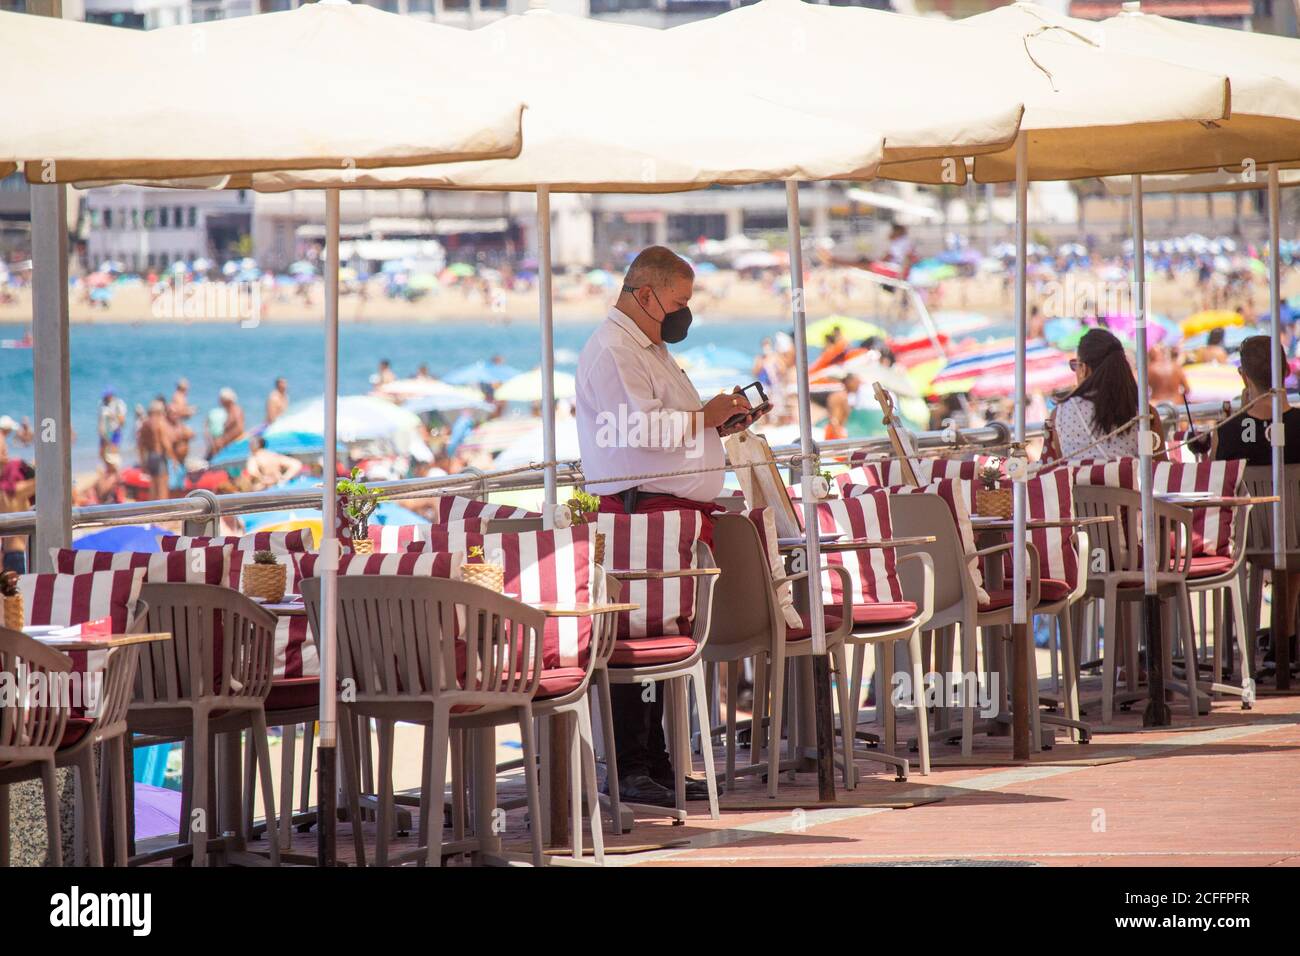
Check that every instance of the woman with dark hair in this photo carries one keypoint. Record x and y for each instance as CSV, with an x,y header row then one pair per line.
x,y
1105,399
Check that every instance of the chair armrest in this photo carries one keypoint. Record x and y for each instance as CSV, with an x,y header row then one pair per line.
x,y
704,584
648,575
927,585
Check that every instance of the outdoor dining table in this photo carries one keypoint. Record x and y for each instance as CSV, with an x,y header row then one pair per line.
x,y
101,642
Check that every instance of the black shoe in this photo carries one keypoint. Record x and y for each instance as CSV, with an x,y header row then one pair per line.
x,y
639,788
697,788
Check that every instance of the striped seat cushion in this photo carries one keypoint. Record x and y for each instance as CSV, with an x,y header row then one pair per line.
x,y
959,496
865,475
872,571
295,647
193,566
1051,497
397,538
660,541
1211,527
539,566
96,596
279,543
1117,473
454,508
764,520
927,470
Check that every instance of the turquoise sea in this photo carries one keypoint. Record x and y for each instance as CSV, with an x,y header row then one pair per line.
x,y
145,360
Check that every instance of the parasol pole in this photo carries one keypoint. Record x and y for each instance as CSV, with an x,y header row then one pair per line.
x,y
1157,711
547,304
326,779
1021,691
1279,624
821,673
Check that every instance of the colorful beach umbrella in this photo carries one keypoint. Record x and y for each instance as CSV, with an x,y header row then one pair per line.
x,y
527,387
855,330
1212,382
480,372
1211,319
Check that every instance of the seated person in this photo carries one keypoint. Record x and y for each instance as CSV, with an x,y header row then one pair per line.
x,y
266,468
1246,437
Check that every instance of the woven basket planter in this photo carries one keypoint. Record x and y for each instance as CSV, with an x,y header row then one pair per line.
x,y
14,612
363,546
490,576
265,581
993,502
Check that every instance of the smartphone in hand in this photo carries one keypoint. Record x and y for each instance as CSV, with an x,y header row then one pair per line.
x,y
759,406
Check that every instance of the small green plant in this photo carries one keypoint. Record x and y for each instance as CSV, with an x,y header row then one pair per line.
x,y
990,473
264,557
359,502
9,584
581,505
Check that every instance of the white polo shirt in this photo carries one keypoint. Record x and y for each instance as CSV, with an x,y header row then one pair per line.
x,y
634,406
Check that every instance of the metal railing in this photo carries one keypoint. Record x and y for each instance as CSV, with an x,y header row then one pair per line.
x,y
206,507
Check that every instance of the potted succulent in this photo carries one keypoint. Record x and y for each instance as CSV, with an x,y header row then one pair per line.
x,y
478,571
265,577
990,498
357,503
13,600
582,510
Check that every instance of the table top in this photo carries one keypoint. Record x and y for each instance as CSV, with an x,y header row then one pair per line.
x,y
1196,499
103,642
646,575
549,608
989,523
861,544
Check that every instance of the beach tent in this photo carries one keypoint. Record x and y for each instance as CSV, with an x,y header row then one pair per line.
x,y
1264,69
442,99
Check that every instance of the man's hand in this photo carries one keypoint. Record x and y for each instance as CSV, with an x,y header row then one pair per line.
x,y
719,409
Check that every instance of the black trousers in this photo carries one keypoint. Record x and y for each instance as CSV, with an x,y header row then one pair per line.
x,y
639,731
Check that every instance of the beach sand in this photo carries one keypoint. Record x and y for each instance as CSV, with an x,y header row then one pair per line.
x,y
718,296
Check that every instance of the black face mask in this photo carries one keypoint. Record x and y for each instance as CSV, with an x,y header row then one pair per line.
x,y
673,326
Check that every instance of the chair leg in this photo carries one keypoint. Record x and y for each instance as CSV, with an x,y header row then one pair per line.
x,y
246,797
1069,668
733,690
544,727
969,665
261,745
308,752
1243,649
758,730
918,696
776,696
347,725
288,741
90,821
611,752
116,752
1109,651
435,777
848,714
574,746
53,831
1029,661
678,750
530,780
706,748
885,700
457,741
4,825
201,813
589,779
1191,665
384,822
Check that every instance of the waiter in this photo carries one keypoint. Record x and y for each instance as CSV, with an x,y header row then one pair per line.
x,y
638,414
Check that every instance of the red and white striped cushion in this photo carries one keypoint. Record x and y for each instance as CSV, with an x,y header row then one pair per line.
x,y
79,598
540,566
764,520
861,476
890,473
295,648
959,496
396,538
1118,473
279,543
65,599
660,541
872,571
1051,497
194,566
1211,527
1177,451
454,508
